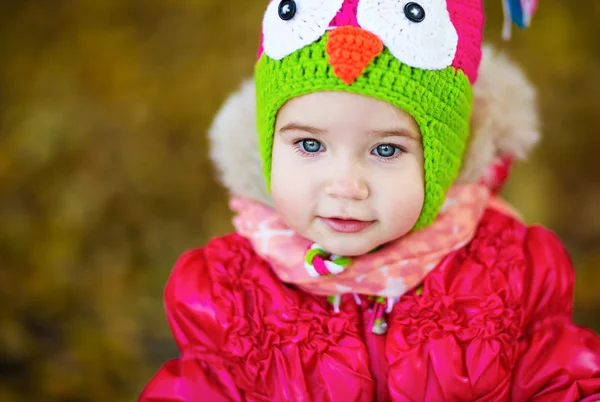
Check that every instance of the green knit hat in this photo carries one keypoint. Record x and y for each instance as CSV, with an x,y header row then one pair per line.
x,y
420,57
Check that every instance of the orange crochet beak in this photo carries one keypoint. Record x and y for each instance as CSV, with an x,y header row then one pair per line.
x,y
350,50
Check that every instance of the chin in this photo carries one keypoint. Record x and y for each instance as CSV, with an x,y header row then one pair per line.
x,y
348,247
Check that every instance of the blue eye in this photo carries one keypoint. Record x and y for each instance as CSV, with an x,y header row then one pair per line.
x,y
386,150
311,146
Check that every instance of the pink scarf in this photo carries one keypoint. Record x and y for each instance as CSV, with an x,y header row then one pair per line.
x,y
389,272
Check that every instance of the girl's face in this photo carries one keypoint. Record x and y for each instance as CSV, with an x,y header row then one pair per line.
x,y
347,171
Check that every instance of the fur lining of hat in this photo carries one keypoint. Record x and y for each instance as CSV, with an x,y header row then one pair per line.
x,y
505,119
504,122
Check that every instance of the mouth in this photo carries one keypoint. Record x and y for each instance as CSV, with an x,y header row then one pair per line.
x,y
346,225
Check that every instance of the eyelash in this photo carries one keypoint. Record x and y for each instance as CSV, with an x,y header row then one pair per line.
x,y
299,150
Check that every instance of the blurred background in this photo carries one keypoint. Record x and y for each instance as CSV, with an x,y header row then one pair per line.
x,y
104,177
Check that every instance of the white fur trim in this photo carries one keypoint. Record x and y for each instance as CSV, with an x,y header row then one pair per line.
x,y
504,121
430,44
234,146
312,18
505,118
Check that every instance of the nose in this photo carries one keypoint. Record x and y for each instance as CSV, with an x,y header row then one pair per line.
x,y
350,50
351,188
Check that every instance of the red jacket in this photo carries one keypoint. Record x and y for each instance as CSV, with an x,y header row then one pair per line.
x,y
492,323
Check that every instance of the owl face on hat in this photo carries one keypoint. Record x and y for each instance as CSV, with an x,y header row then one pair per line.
x,y
425,34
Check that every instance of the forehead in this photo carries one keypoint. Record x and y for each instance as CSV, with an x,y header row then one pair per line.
x,y
344,111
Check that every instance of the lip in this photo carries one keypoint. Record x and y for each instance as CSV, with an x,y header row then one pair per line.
x,y
342,225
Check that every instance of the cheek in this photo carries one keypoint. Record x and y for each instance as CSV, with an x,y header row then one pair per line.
x,y
289,186
406,199
284,193
403,200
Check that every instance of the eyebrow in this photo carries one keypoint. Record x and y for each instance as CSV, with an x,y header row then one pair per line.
x,y
399,132
302,127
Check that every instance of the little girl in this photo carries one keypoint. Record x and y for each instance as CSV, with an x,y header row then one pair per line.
x,y
376,263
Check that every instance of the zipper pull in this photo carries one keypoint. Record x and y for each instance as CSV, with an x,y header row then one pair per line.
x,y
379,326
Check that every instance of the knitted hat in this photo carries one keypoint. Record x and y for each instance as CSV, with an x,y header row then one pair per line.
x,y
421,56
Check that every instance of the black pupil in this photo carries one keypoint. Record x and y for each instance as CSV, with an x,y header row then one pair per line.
x,y
311,145
414,12
287,9
385,150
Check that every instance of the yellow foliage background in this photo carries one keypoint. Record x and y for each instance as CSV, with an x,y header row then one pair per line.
x,y
104,177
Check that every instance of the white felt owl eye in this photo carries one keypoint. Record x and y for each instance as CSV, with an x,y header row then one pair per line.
x,y
289,25
418,33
